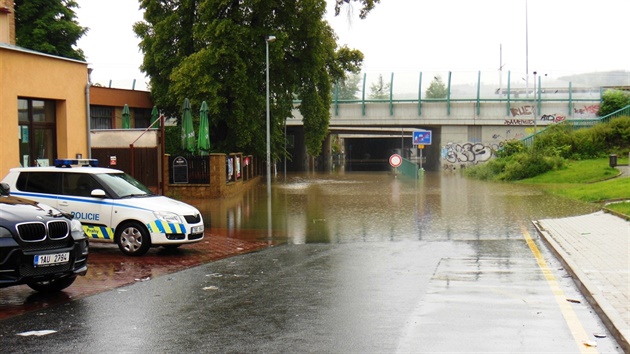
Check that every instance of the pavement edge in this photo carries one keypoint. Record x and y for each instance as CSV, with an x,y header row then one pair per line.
x,y
613,322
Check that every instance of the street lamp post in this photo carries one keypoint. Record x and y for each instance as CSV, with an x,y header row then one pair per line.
x,y
268,39
535,108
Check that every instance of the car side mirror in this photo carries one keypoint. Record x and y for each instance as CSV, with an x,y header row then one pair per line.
x,y
5,188
98,193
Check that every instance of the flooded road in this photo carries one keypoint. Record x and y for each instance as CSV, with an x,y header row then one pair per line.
x,y
367,207
357,262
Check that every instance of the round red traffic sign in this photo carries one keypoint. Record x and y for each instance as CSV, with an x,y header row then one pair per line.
x,y
395,160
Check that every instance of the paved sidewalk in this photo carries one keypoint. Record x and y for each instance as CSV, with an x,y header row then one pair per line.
x,y
595,250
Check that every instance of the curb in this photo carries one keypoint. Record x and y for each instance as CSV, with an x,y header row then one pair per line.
x,y
613,322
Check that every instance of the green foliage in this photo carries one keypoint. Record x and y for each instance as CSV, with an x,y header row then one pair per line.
x,y
216,50
525,165
583,171
618,188
380,89
368,5
613,100
437,89
347,88
553,147
510,148
602,139
49,26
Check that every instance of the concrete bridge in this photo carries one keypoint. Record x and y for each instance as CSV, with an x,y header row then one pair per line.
x,y
364,133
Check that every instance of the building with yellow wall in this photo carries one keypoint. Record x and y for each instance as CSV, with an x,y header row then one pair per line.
x,y
43,102
44,110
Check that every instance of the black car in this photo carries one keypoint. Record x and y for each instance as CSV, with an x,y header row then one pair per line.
x,y
39,246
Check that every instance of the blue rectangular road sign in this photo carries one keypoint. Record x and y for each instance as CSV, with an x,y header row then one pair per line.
x,y
421,137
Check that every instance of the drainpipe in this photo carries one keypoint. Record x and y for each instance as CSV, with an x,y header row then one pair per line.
x,y
87,109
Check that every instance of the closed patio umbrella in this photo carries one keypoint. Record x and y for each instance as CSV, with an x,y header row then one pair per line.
x,y
155,114
188,132
204,130
126,120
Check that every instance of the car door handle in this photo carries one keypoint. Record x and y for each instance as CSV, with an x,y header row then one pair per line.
x,y
63,204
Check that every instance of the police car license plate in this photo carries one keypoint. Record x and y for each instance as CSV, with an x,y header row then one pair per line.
x,y
50,259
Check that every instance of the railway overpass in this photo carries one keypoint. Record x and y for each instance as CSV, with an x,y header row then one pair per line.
x,y
364,133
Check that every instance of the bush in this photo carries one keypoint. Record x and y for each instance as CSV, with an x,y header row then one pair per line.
x,y
612,101
510,148
526,165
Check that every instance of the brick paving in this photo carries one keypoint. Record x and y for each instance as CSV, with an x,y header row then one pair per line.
x,y
595,249
108,268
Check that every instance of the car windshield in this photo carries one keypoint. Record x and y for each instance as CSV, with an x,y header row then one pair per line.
x,y
123,185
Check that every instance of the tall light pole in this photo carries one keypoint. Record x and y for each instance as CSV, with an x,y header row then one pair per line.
x,y
535,107
268,39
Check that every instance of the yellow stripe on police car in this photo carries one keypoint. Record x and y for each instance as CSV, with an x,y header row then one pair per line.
x,y
166,228
99,232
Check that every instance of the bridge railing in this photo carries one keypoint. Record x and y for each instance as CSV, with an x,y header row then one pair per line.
x,y
461,87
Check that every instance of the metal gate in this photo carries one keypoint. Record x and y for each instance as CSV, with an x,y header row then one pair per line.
x,y
146,167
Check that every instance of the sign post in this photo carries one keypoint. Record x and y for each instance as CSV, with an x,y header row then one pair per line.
x,y
395,160
421,138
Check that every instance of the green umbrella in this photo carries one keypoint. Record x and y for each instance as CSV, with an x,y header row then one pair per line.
x,y
188,132
204,130
155,114
125,117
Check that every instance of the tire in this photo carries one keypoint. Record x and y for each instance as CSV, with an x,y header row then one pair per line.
x,y
133,239
53,285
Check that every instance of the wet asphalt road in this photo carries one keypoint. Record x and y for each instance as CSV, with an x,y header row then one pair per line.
x,y
360,264
381,298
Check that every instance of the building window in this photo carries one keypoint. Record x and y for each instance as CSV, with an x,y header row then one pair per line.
x,y
101,117
37,126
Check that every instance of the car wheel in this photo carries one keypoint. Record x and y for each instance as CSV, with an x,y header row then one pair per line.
x,y
53,285
133,239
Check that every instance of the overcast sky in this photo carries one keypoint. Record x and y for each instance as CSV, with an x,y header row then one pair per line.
x,y
411,36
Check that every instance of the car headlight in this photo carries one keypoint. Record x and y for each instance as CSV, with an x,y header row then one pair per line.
x,y
168,217
76,228
5,233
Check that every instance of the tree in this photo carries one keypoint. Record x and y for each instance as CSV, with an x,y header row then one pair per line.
x,y
49,26
215,51
436,89
368,5
613,100
347,87
380,89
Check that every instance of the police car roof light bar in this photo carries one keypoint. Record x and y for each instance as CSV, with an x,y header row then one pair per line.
x,y
76,162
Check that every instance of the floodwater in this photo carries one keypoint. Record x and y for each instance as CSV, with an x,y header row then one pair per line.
x,y
380,206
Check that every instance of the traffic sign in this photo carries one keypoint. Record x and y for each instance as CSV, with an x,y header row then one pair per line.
x,y
395,160
421,137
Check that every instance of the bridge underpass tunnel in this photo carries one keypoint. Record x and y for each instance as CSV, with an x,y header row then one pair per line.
x,y
371,153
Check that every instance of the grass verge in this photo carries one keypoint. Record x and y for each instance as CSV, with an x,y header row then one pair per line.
x,y
590,181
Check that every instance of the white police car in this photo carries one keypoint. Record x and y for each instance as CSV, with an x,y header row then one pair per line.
x,y
111,205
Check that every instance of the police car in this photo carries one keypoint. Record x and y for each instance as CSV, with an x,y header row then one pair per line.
x,y
111,205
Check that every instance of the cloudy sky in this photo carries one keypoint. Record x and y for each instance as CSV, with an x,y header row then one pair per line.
x,y
406,37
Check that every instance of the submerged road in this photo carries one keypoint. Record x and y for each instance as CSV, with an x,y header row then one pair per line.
x,y
357,264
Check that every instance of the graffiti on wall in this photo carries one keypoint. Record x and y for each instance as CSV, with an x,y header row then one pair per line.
x,y
556,118
467,153
519,113
589,110
518,122
525,110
